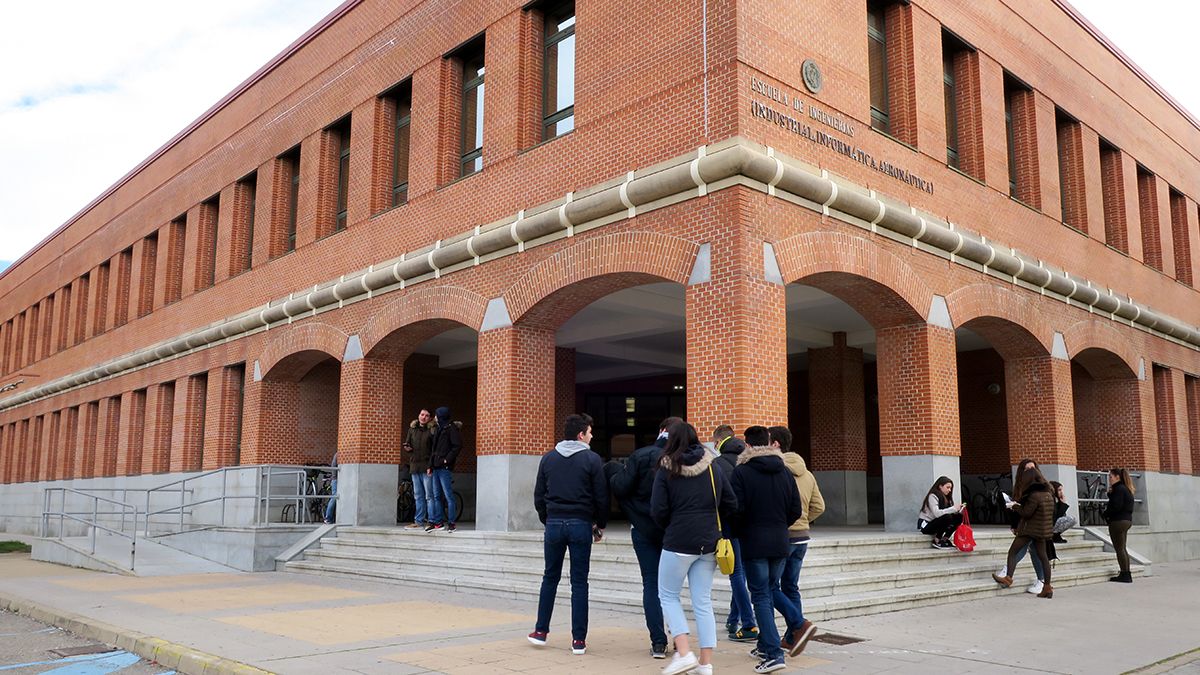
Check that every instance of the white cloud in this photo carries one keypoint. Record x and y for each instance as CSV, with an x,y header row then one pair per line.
x,y
86,99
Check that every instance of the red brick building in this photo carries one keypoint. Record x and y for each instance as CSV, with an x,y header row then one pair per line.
x,y
932,237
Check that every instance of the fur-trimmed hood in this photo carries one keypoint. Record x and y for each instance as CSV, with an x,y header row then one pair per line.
x,y
765,459
691,467
417,423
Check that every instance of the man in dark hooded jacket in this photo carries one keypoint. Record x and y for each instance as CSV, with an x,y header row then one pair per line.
x,y
741,624
768,504
445,443
632,486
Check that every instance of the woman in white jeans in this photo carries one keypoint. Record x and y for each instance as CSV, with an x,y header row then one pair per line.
x,y
687,490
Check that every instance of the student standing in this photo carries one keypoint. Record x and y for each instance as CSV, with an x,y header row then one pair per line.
x,y
741,625
689,494
571,498
1033,501
1119,514
799,629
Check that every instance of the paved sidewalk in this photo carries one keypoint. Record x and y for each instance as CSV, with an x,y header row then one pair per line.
x,y
290,623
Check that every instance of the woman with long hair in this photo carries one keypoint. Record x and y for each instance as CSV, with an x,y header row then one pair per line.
x,y
689,488
939,515
1034,504
1013,520
1062,522
1119,514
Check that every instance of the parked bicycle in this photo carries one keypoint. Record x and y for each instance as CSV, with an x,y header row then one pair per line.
x,y
406,503
318,488
1093,496
988,506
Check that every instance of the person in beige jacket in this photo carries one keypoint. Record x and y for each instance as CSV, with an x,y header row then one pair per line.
x,y
798,635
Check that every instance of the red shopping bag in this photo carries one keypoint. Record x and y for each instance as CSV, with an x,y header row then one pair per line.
x,y
964,537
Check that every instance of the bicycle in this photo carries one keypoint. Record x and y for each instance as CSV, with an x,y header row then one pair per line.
x,y
406,503
317,484
1092,499
989,504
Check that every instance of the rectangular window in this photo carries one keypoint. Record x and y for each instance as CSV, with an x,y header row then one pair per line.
x,y
149,270
242,244
341,133
877,65
1112,181
1180,238
400,101
1021,133
1147,185
558,71
960,85
1071,181
206,265
950,97
124,270
177,230
289,174
471,146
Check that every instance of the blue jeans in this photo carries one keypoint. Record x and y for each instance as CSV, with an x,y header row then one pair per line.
x,y
563,534
331,504
442,481
762,576
1037,562
699,570
648,555
741,612
422,496
787,597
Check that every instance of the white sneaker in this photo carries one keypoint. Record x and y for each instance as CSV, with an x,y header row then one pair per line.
x,y
680,664
703,669
1003,571
1035,588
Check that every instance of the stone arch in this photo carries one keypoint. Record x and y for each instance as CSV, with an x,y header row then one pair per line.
x,y
1102,350
876,283
416,316
290,356
1004,318
607,264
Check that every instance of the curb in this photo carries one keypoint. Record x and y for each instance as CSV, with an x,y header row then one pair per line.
x,y
182,658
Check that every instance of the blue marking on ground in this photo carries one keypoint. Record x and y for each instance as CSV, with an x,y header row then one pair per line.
x,y
108,663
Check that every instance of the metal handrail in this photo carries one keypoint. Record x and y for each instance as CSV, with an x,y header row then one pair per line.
x,y
94,522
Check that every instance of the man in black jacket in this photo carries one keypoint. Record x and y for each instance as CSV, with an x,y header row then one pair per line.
x,y
445,444
768,503
571,498
632,486
741,624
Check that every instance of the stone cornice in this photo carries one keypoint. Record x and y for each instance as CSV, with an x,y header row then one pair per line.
x,y
710,168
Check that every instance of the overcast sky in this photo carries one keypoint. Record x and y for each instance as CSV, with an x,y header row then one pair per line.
x,y
90,89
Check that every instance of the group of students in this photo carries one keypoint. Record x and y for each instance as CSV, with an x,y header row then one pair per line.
x,y
1038,518
683,500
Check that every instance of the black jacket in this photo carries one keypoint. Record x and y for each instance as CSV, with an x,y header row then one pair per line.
x,y
570,484
685,506
730,450
445,444
768,503
633,485
1120,503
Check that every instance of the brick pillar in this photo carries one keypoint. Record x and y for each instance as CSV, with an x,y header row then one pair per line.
x,y
918,415
515,420
1192,401
36,441
20,450
839,431
51,448
564,384
1041,416
272,423
1170,407
736,342
64,464
108,435
6,448
160,416
187,427
85,455
222,417
133,429
370,430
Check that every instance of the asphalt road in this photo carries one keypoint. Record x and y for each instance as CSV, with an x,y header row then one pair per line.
x,y
28,646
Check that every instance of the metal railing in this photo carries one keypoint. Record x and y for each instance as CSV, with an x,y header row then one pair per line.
x,y
127,512
1093,495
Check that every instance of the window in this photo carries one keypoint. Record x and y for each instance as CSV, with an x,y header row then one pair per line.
x,y
1112,181
242,244
960,84
877,64
400,101
471,155
288,187
1147,185
558,71
1021,131
341,140
1179,236
1071,182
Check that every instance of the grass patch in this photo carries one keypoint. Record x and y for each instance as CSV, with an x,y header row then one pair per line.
x,y
14,547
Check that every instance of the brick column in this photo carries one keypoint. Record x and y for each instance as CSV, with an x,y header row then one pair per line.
x,y
187,427
222,418
515,417
5,454
108,434
272,423
564,384
20,451
310,180
85,448
1041,416
1170,403
918,414
1192,401
838,431
370,429
64,461
133,429
36,441
51,447
160,416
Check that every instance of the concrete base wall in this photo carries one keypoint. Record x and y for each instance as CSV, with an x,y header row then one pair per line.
x,y
250,549
54,551
906,481
367,494
505,493
845,494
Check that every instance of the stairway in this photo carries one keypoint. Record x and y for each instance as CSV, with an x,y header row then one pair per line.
x,y
845,573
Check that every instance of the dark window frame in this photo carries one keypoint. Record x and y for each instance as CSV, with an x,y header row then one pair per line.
x,y
881,119
553,17
472,60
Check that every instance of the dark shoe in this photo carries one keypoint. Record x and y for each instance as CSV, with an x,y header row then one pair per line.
x,y
770,665
732,629
658,651
756,655
1003,581
451,527
578,647
433,526
1058,539
1123,578
1047,592
798,638
746,635
537,638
